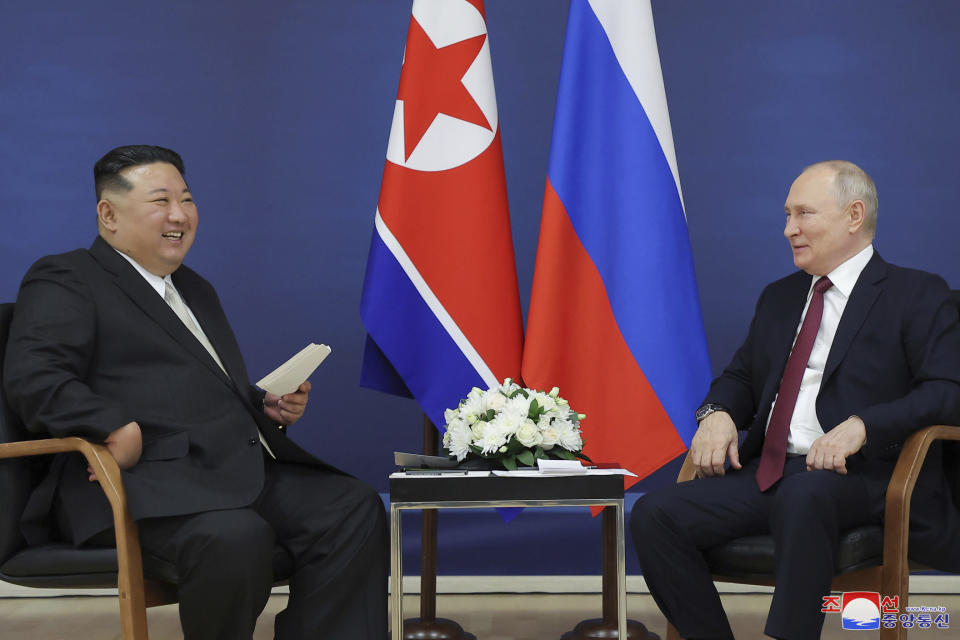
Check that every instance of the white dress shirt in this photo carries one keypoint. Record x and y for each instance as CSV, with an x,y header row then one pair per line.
x,y
804,425
159,284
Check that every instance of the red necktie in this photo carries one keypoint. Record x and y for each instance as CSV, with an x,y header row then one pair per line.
x,y
775,442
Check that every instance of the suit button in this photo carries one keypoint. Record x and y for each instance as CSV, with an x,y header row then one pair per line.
x,y
252,442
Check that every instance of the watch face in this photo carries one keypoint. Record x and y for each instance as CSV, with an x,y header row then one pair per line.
x,y
704,411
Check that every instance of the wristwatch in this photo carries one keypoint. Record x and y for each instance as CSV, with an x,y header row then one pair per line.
x,y
707,409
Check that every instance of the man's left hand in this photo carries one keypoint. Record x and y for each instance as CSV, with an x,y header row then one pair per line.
x,y
830,451
289,408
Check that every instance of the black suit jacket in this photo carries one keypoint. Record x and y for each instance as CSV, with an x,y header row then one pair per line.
x,y
894,362
92,347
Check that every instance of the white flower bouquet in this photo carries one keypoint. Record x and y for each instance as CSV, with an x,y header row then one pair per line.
x,y
514,426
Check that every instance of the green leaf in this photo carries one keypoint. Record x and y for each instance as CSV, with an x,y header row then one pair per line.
x,y
488,416
510,464
526,457
534,411
539,454
563,454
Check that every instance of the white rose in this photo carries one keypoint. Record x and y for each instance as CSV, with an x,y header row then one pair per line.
x,y
475,393
545,401
550,437
492,399
457,440
528,434
449,415
478,428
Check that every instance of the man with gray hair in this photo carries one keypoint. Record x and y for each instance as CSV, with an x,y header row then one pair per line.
x,y
844,359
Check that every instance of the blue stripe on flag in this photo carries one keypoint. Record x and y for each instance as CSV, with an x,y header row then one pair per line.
x,y
610,172
410,336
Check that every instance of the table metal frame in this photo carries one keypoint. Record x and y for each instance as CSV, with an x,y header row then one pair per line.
x,y
396,545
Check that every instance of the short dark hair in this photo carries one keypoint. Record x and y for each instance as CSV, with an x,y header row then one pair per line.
x,y
106,173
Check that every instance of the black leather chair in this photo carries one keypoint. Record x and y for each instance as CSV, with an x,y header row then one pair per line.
x,y
23,462
871,558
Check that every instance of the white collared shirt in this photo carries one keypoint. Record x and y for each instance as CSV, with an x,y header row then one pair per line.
x,y
159,284
804,425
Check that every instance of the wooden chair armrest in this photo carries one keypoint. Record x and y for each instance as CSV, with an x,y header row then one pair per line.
x,y
900,491
687,472
97,455
129,560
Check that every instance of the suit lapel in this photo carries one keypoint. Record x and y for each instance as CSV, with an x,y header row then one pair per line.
x,y
790,309
862,298
146,298
787,308
213,323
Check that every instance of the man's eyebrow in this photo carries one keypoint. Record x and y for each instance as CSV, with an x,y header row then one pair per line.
x,y
164,190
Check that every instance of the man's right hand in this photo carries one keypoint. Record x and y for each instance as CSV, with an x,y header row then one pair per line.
x,y
125,445
714,442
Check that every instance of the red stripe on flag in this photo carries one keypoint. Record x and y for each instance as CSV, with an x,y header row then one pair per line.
x,y
573,342
455,227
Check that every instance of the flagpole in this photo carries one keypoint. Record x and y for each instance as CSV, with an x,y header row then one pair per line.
x,y
428,625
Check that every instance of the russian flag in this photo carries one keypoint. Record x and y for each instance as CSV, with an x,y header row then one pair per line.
x,y
614,313
440,300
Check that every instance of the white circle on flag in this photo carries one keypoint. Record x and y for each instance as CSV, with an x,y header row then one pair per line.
x,y
450,142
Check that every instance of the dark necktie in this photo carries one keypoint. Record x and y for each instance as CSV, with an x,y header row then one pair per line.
x,y
775,443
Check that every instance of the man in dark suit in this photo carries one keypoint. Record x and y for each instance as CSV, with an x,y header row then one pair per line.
x,y
843,360
124,345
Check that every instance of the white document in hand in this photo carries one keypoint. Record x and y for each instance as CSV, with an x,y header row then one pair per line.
x,y
291,374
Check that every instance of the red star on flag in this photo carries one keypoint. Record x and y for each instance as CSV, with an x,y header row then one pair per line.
x,y
431,84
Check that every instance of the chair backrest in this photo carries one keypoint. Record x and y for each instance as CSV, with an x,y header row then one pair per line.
x,y
951,450
18,476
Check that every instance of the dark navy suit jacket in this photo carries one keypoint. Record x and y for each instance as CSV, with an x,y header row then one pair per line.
x,y
894,362
92,347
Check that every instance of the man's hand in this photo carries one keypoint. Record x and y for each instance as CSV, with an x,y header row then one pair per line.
x,y
287,409
125,445
830,450
714,442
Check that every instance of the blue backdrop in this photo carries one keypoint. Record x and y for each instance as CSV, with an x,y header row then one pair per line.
x,y
282,111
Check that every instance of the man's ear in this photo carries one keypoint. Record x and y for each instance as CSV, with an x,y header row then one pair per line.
x,y
857,213
107,215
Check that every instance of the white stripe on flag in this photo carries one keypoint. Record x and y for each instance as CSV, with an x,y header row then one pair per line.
x,y
629,27
471,354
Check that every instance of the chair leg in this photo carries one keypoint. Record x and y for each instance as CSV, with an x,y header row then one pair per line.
x,y
130,586
133,619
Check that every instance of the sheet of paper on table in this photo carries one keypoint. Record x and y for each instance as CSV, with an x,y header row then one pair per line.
x,y
434,474
535,473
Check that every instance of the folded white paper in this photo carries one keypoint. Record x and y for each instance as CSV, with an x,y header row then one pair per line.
x,y
560,466
292,373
